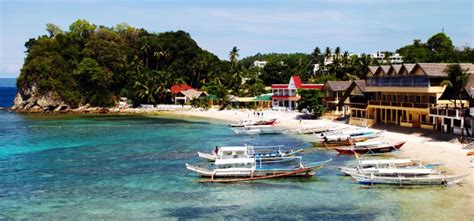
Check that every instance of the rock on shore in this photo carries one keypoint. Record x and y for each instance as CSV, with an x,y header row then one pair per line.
x,y
30,100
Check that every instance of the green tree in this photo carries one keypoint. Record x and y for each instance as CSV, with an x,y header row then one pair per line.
x,y
82,28
53,30
457,80
311,100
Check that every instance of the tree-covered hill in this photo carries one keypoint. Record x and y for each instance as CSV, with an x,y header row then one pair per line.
x,y
96,65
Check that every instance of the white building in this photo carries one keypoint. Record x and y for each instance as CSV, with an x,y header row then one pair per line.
x,y
259,64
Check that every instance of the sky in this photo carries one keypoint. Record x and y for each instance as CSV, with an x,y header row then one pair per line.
x,y
280,26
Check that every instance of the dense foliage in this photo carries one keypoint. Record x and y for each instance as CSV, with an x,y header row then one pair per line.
x,y
438,48
311,100
97,65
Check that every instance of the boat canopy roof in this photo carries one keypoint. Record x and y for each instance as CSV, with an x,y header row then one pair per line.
x,y
233,148
368,143
234,161
389,161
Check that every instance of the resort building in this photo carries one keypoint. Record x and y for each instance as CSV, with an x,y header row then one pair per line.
x,y
403,95
285,96
333,91
182,93
354,102
381,58
259,64
456,117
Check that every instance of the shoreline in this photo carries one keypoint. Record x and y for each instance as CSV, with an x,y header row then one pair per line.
x,y
420,144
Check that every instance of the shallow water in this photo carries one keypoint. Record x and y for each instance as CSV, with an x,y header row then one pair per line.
x,y
124,167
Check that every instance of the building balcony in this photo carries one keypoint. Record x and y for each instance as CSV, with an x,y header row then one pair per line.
x,y
400,104
287,94
448,112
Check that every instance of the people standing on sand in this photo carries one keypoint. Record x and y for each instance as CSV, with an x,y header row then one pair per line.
x,y
261,114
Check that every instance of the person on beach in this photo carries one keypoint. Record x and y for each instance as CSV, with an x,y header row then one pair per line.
x,y
216,150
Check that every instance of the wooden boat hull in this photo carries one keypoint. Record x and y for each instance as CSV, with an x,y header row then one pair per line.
x,y
382,149
420,180
339,143
311,169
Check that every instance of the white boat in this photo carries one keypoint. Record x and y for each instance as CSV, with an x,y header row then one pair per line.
x,y
312,129
259,129
353,134
390,167
250,168
432,179
264,153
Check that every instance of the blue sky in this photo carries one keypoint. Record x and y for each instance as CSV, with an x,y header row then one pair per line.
x,y
359,26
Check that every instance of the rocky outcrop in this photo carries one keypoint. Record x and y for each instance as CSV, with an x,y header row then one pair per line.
x,y
30,100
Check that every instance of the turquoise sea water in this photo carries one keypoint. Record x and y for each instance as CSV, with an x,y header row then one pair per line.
x,y
132,167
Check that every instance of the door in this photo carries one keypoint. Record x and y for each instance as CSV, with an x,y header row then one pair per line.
x,y
416,120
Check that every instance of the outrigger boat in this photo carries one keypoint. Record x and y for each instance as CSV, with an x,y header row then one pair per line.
x,y
431,179
265,153
249,122
369,147
338,143
260,129
345,138
244,169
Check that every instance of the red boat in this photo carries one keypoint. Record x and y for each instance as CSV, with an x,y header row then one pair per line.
x,y
370,147
266,122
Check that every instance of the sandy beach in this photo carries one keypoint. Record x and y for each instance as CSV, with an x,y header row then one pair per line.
x,y
425,145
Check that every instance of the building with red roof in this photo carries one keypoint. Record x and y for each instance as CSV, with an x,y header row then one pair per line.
x,y
285,96
180,87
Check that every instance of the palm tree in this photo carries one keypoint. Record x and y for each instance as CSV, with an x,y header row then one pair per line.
x,y
337,51
327,52
457,80
234,56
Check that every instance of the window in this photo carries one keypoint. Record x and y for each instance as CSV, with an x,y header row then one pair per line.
x,y
394,98
418,99
432,99
405,98
384,98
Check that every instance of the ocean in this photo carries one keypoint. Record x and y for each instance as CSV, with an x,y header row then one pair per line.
x,y
126,167
7,91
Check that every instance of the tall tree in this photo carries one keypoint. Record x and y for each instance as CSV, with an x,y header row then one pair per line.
x,y
457,80
234,56
53,30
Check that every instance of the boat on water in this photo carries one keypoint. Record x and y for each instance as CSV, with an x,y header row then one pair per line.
x,y
250,122
265,153
312,129
259,129
391,167
251,168
431,179
337,143
370,147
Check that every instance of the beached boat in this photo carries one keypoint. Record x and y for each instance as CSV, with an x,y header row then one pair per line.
x,y
250,122
338,143
251,168
259,129
265,153
355,134
431,179
369,147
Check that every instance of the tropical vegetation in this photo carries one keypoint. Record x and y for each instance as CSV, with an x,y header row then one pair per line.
x,y
96,65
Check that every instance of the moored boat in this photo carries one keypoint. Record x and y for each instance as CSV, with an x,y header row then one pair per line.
x,y
264,153
260,129
369,147
250,168
431,179
250,122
